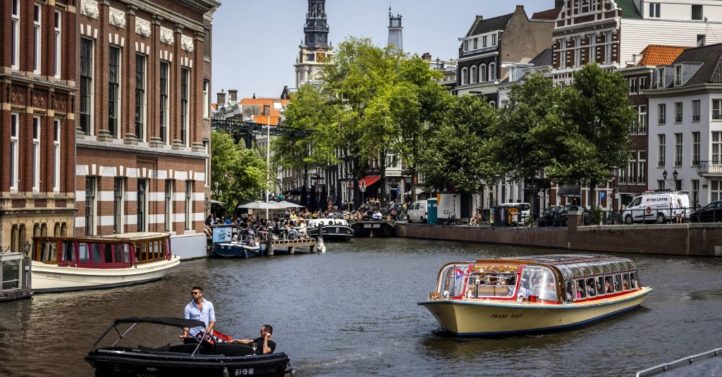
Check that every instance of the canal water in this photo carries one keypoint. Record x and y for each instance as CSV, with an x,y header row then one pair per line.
x,y
353,312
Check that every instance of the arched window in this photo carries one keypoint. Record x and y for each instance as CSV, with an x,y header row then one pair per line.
x,y
492,71
464,76
482,73
63,230
22,238
56,230
472,74
44,230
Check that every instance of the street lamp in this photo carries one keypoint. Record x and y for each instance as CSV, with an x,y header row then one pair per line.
x,y
675,174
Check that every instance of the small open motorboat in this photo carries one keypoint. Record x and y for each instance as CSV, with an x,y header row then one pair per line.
x,y
517,295
331,229
193,359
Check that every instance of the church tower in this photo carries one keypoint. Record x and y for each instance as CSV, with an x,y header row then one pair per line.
x,y
396,37
315,51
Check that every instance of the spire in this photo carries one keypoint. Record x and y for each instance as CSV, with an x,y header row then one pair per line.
x,y
316,28
396,38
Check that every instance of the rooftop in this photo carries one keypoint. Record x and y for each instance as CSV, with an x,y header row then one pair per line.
x,y
654,55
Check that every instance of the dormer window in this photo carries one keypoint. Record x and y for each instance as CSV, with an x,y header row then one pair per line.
x,y
660,78
483,41
677,75
654,10
493,39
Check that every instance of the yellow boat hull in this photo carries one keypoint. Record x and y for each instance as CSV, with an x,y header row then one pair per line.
x,y
479,317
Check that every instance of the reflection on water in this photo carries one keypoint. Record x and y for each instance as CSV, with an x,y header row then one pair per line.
x,y
353,312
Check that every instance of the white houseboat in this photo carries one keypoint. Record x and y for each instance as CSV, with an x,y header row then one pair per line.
x,y
78,263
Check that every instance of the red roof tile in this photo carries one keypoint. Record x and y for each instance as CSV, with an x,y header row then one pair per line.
x,y
654,55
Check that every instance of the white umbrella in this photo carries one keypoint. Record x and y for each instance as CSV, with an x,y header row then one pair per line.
x,y
259,204
286,204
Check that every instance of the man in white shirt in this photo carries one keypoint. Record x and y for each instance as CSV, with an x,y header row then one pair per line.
x,y
199,309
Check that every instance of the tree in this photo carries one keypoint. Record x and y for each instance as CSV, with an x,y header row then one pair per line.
x,y
598,106
238,175
456,153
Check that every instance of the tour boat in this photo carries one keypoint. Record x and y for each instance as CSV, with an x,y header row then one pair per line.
x,y
242,245
156,357
78,263
533,294
331,229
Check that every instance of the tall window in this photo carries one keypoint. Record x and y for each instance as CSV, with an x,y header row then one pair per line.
x,y
695,148
608,47
118,191
14,151
678,149
113,90
207,169
185,89
464,76
474,75
164,111
86,85
90,205
36,154
15,35
592,48
140,108
56,154
642,83
716,147
717,109
678,75
476,43
562,53
662,113
642,120
142,205
662,149
633,85
58,42
715,189
483,74
189,204
492,71
493,39
654,10
483,41
642,171
37,38
696,110
678,116
168,223
206,98
577,51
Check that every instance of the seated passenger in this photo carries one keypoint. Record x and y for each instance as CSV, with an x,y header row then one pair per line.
x,y
261,345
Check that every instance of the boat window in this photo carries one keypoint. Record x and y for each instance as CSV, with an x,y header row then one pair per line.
x,y
608,284
108,252
622,266
67,251
600,285
537,283
625,282
591,287
633,278
569,290
494,283
452,280
607,268
617,282
83,255
597,269
566,272
117,254
587,270
581,289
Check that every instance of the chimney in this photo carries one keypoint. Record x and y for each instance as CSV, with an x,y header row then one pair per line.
x,y
221,98
558,4
232,95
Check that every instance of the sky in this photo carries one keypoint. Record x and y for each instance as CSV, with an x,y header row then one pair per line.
x,y
255,42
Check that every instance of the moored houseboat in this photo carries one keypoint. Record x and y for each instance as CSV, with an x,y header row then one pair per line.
x,y
533,294
78,263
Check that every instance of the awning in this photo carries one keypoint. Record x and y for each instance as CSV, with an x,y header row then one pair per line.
x,y
369,180
569,190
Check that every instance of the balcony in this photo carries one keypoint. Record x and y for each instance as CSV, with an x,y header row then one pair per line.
x,y
710,168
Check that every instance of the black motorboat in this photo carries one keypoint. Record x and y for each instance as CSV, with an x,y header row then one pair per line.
x,y
331,229
180,359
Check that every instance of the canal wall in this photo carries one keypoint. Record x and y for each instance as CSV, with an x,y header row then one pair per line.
x,y
666,239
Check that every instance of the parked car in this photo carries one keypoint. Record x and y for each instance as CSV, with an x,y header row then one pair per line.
x,y
548,215
417,212
712,212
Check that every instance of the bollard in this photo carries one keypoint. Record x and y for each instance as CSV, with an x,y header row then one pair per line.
x,y
269,246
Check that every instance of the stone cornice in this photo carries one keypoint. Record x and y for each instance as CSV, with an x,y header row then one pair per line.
x,y
136,149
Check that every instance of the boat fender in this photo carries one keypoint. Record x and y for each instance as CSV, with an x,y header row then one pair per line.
x,y
321,247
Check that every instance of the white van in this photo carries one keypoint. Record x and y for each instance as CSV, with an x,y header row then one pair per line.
x,y
659,206
417,212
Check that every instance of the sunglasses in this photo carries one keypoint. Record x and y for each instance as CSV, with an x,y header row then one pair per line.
x,y
195,293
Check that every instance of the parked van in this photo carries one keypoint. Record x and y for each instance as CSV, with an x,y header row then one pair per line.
x,y
659,206
417,212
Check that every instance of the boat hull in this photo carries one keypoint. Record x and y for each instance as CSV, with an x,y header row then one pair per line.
x,y
52,278
226,250
127,364
334,233
495,318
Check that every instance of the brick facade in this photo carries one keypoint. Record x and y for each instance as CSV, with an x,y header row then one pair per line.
x,y
39,83
160,32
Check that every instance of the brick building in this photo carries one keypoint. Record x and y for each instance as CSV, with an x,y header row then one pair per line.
x,y
143,128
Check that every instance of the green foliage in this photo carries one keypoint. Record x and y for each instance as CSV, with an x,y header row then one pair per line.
x,y
595,215
457,153
238,174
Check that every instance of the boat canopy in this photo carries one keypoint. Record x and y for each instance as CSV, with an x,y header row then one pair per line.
x,y
168,321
